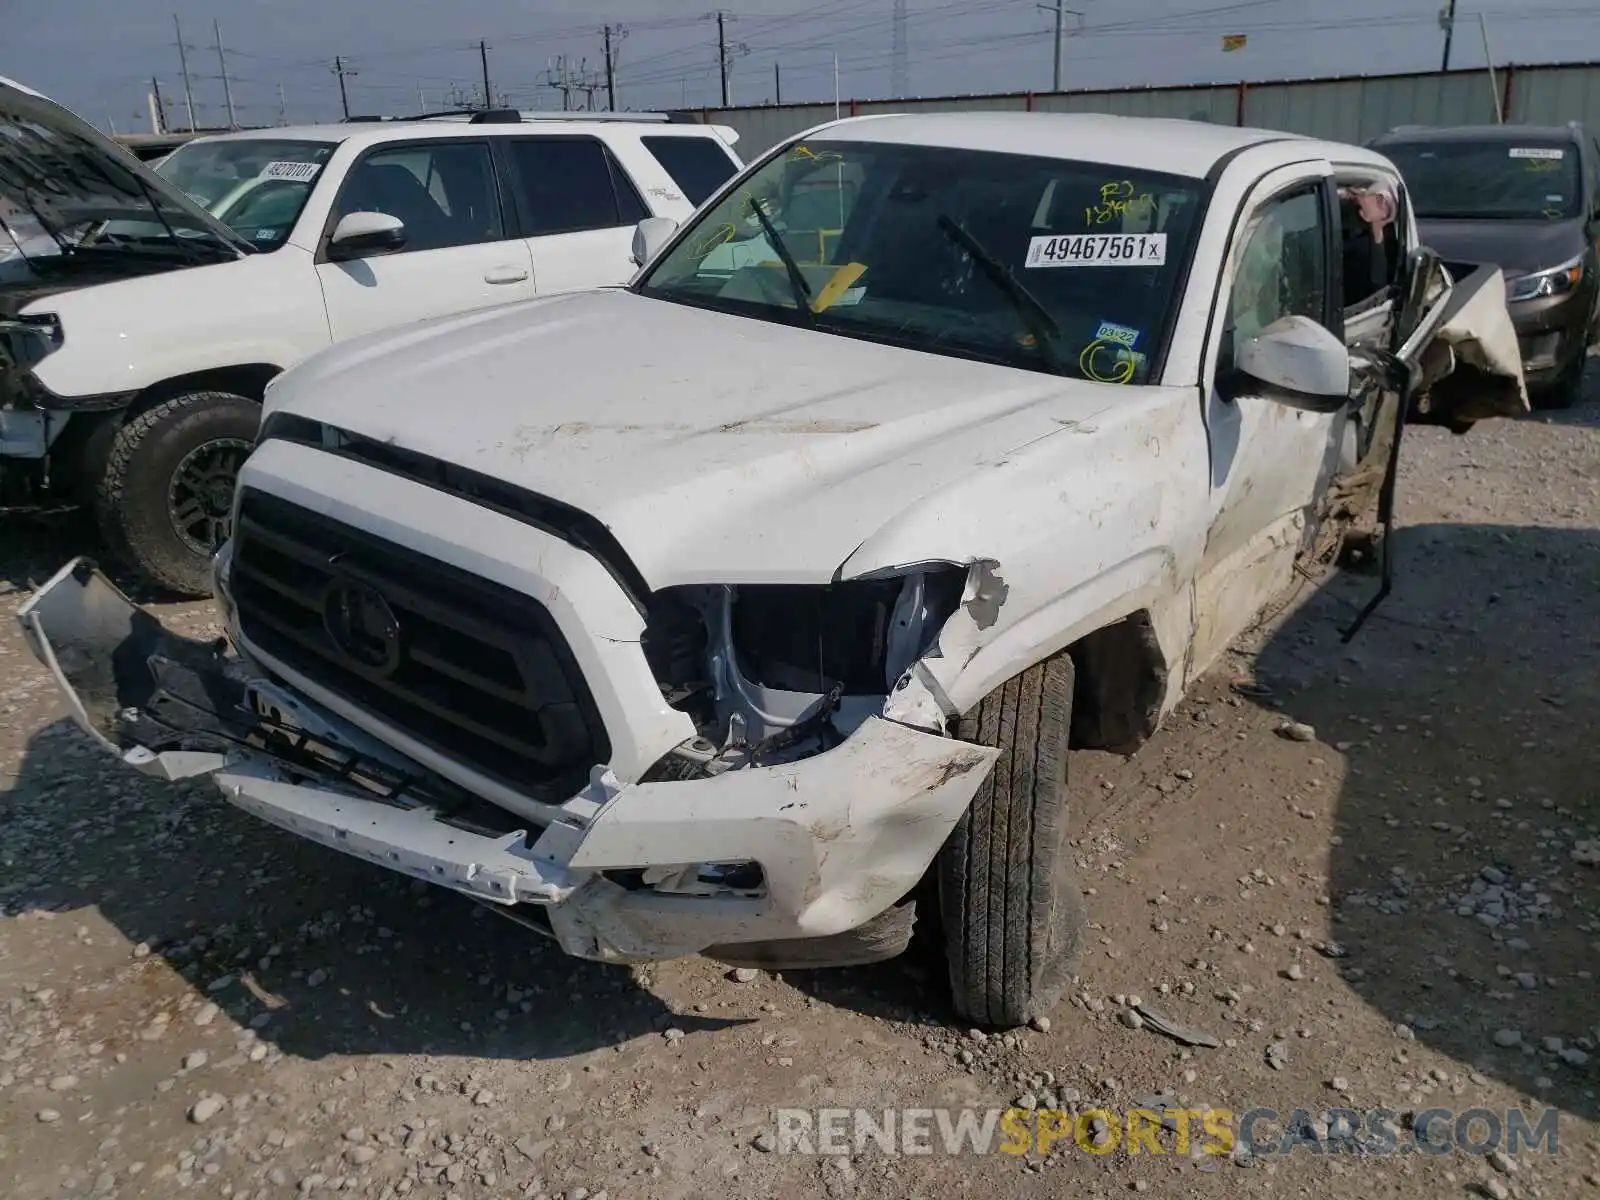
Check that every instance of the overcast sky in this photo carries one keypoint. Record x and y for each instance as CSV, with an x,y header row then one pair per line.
x,y
97,56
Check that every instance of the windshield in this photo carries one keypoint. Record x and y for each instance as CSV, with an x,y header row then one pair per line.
x,y
255,186
1528,180
1042,263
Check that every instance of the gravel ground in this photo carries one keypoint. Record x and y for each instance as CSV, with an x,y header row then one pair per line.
x,y
1367,871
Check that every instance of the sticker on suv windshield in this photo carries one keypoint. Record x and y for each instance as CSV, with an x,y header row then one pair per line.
x,y
1097,250
1122,335
1552,152
304,172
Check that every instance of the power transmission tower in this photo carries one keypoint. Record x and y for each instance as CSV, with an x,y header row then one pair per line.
x,y
1060,14
483,55
1447,20
183,63
227,88
899,73
283,107
343,72
561,77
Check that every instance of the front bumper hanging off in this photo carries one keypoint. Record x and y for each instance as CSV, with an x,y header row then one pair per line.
x,y
838,838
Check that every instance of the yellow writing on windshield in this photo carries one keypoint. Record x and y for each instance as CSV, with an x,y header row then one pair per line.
x,y
1107,362
805,153
1119,198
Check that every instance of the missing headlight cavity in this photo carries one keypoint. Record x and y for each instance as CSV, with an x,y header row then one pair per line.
x,y
806,639
749,661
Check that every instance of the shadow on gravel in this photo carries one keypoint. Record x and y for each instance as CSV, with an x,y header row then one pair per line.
x,y
1465,710
323,954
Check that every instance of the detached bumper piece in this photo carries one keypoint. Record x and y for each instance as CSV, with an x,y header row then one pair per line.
x,y
767,864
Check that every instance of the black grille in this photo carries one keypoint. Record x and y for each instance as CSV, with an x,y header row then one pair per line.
x,y
474,670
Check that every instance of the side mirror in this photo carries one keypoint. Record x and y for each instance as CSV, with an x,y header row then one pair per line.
x,y
1293,361
364,234
649,235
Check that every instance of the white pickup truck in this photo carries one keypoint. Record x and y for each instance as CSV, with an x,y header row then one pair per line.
x,y
149,311
750,598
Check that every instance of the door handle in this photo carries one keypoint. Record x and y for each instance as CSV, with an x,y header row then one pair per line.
x,y
502,275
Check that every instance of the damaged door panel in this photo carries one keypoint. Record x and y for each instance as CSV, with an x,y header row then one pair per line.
x,y
1471,368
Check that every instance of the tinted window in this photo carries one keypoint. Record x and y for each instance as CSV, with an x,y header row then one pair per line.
x,y
1526,179
630,205
1282,268
443,193
567,186
1048,264
698,165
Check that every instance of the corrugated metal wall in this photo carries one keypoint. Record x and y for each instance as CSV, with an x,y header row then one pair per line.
x,y
1347,110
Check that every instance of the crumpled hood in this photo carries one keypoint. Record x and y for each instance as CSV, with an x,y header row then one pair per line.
x,y
1516,247
715,447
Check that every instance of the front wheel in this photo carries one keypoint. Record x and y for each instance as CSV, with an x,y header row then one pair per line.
x,y
1012,915
166,496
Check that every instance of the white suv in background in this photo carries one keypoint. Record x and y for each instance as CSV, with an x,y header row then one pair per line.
x,y
142,315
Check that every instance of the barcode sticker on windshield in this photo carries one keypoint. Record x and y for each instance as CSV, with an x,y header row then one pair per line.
x,y
1098,250
1537,152
302,171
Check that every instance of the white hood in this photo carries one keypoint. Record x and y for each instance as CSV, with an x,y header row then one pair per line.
x,y
715,447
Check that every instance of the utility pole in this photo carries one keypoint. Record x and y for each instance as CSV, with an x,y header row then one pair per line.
x,y
227,88
1447,20
483,55
777,84
899,70
1061,15
183,63
159,120
343,72
1488,58
611,75
722,56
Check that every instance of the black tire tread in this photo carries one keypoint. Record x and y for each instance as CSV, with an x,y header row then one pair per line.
x,y
126,544
1010,913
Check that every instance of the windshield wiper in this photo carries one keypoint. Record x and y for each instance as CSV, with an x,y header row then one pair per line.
x,y
1037,318
797,281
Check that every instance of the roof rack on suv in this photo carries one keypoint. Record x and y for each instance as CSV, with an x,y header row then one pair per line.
x,y
512,116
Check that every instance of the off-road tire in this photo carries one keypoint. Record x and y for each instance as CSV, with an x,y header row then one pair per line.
x,y
1011,912
132,502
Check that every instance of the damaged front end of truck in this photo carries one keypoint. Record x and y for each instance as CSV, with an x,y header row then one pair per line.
x,y
790,830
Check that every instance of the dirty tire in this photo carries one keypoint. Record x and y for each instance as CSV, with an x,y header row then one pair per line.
x,y
1012,915
133,501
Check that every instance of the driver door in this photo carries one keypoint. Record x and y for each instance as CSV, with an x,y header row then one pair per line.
x,y
1269,461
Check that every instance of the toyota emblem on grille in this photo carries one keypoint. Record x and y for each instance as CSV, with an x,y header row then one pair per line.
x,y
362,626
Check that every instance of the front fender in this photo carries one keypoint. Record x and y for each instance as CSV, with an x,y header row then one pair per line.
x,y
120,338
1062,537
